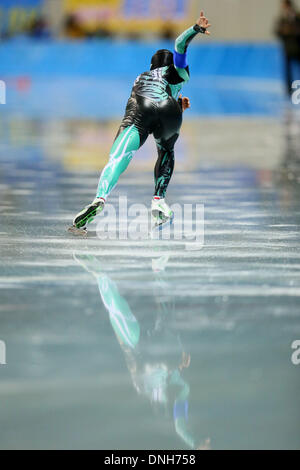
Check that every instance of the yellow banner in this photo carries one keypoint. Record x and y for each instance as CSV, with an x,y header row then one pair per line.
x,y
129,15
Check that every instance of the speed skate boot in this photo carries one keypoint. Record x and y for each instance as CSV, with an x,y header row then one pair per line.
x,y
160,211
87,215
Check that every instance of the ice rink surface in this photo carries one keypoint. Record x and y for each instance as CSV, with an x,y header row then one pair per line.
x,y
146,344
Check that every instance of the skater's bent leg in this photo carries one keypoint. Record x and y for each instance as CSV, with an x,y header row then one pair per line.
x,y
163,171
128,141
164,166
124,323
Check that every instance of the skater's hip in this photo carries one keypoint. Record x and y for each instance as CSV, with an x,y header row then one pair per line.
x,y
148,116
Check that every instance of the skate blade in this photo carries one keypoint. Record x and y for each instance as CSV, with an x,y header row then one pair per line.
x,y
159,226
78,232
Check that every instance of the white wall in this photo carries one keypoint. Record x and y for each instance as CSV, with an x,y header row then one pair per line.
x,y
53,9
241,19
231,19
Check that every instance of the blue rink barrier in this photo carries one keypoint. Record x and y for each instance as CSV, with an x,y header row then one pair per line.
x,y
94,78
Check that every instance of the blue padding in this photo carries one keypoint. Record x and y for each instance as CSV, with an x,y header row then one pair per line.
x,y
180,409
180,60
94,58
80,79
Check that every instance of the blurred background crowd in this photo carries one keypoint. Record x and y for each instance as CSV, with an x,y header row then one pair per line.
x,y
141,19
76,60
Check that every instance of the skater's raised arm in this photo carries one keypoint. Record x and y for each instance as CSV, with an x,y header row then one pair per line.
x,y
182,43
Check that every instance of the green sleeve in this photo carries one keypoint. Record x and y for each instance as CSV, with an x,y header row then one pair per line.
x,y
181,45
184,74
183,41
180,422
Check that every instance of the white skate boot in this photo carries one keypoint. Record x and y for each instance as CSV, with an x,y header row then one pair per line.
x,y
161,212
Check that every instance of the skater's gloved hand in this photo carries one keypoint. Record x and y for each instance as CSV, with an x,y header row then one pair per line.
x,y
203,23
184,102
205,445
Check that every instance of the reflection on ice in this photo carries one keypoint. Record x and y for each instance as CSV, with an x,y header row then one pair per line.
x,y
154,353
210,327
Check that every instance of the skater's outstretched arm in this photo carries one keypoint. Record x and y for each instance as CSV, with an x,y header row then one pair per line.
x,y
182,43
180,409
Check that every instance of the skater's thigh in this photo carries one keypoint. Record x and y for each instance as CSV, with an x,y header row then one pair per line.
x,y
141,114
127,142
167,145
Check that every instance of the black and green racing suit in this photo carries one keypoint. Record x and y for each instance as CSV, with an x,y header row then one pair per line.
x,y
153,108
